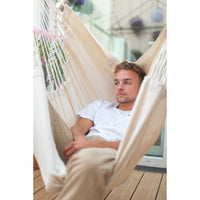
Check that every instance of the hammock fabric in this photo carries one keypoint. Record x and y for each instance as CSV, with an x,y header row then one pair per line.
x,y
88,77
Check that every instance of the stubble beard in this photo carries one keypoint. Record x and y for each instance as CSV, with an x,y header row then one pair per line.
x,y
125,100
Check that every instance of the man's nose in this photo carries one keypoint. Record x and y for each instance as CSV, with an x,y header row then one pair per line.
x,y
120,86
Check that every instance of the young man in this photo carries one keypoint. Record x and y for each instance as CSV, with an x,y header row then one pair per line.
x,y
97,135
108,120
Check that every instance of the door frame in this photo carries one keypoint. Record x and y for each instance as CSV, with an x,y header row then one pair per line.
x,y
153,161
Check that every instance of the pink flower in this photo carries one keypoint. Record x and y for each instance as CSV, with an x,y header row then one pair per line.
x,y
61,37
43,60
35,29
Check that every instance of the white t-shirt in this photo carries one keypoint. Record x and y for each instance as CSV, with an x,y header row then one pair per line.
x,y
110,122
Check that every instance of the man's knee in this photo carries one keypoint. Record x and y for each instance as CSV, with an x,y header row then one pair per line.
x,y
86,160
93,160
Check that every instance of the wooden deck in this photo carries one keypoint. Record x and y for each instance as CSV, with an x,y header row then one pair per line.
x,y
140,186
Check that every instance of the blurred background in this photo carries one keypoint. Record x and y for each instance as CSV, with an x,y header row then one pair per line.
x,y
127,28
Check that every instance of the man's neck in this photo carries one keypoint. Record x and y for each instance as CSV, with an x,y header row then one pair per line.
x,y
125,106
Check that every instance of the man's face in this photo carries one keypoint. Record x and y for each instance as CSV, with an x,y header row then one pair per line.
x,y
126,86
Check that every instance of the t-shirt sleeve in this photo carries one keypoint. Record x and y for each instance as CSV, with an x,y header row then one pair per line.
x,y
90,111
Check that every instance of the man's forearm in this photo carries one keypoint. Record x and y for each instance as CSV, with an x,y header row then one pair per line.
x,y
77,145
79,134
105,144
81,128
77,130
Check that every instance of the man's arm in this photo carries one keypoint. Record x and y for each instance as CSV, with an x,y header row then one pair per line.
x,y
103,144
77,145
81,128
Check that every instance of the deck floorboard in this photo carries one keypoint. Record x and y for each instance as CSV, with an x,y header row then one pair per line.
x,y
140,186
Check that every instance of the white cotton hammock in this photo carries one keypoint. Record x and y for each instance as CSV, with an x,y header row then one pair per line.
x,y
78,74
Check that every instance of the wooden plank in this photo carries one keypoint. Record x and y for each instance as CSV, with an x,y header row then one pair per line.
x,y
148,187
162,193
44,195
36,173
49,196
140,186
40,194
35,163
38,184
125,190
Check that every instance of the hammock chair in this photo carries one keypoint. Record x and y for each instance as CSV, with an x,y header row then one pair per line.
x,y
73,72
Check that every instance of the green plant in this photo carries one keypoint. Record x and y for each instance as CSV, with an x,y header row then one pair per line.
x,y
51,54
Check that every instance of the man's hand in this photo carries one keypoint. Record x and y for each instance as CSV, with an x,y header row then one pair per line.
x,y
82,142
77,145
80,138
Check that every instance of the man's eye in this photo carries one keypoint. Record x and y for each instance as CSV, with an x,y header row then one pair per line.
x,y
126,82
116,83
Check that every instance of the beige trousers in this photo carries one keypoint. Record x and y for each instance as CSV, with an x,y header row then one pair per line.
x,y
88,171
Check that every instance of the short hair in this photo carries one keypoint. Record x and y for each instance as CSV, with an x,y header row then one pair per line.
x,y
133,67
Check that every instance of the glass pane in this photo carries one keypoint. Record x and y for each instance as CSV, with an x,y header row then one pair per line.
x,y
157,149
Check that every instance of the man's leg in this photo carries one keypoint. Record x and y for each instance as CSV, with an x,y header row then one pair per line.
x,y
88,173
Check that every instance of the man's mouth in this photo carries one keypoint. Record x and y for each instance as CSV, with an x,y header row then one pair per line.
x,y
121,94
